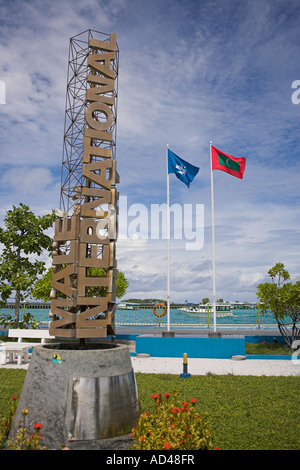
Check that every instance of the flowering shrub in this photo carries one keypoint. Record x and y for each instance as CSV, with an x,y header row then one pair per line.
x,y
172,426
22,440
6,422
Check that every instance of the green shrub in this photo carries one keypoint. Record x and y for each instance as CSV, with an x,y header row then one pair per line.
x,y
172,425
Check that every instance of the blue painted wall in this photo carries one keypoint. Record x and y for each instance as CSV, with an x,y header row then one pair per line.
x,y
220,348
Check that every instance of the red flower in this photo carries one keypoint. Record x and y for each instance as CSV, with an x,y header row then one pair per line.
x,y
14,397
217,448
167,395
155,396
142,438
194,400
167,445
38,426
185,406
175,410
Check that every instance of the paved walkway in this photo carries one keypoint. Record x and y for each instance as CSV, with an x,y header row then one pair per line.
x,y
171,365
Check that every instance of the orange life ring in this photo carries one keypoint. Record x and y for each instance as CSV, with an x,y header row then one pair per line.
x,y
160,314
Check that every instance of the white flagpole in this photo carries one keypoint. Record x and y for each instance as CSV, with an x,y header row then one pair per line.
x,y
168,243
213,239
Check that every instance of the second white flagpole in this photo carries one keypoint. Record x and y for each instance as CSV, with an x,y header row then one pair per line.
x,y
168,243
213,239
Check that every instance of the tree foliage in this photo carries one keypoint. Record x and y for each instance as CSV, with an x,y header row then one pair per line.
x,y
282,298
42,287
23,239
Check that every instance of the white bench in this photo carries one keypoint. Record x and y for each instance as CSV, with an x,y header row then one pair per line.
x,y
21,348
19,333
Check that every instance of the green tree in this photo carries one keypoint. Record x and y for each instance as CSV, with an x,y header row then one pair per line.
x,y
22,237
205,300
42,287
283,300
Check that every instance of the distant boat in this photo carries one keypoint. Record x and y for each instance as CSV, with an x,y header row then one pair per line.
x,y
125,306
222,310
242,305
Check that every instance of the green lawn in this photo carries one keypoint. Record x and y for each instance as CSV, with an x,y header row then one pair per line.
x,y
244,412
267,348
11,383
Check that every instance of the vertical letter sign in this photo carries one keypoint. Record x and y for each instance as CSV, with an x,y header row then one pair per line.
x,y
83,291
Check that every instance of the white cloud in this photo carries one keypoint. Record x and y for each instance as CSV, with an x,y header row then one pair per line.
x,y
26,180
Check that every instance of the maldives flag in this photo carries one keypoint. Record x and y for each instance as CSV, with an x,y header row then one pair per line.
x,y
232,165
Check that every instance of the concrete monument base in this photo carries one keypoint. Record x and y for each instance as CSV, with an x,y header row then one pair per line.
x,y
84,398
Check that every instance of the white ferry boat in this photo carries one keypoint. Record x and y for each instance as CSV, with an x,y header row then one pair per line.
x,y
125,306
222,310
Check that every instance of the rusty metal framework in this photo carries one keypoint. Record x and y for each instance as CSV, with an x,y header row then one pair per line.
x,y
75,108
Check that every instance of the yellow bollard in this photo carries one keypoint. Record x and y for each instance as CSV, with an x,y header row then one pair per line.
x,y
185,374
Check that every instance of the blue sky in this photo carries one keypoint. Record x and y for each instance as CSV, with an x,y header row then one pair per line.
x,y
189,72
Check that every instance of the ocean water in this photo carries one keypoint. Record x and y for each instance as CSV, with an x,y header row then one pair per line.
x,y
250,317
144,316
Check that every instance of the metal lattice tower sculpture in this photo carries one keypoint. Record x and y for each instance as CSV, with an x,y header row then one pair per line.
x,y
83,285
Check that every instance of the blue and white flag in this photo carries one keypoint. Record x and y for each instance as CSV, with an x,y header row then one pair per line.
x,y
182,169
